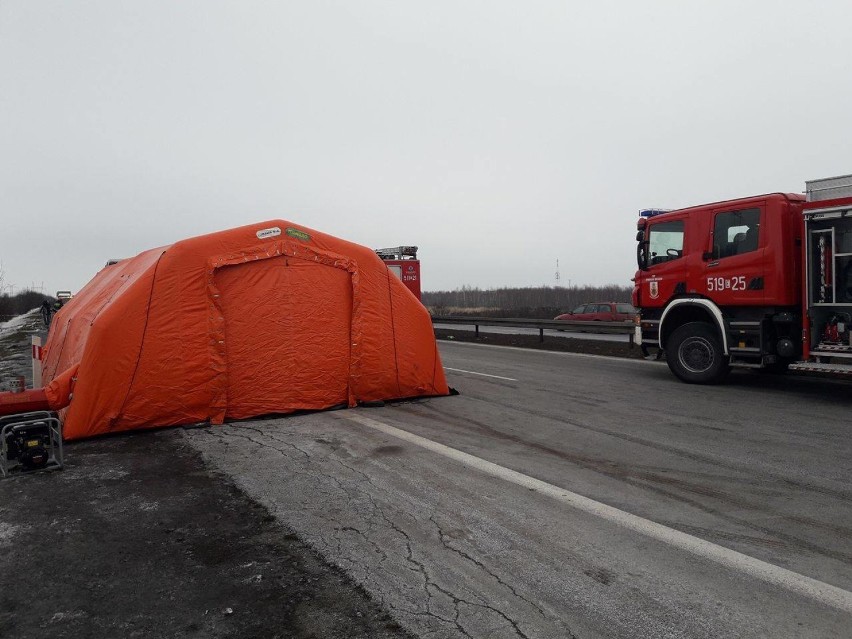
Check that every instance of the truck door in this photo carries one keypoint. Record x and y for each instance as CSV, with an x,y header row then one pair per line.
x,y
665,271
733,261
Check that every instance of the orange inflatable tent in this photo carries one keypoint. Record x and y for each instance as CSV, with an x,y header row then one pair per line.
x,y
268,318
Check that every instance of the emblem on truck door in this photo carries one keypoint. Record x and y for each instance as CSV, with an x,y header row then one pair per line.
x,y
654,289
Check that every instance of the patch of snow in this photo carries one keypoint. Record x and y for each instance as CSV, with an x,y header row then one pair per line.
x,y
19,322
7,531
67,616
15,340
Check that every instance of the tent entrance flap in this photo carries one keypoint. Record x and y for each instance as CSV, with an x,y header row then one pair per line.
x,y
287,326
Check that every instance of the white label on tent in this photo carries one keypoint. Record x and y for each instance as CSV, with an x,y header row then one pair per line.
x,y
271,232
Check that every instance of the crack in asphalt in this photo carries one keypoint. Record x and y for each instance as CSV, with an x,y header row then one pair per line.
x,y
479,564
375,508
237,432
443,538
418,566
429,582
235,429
361,495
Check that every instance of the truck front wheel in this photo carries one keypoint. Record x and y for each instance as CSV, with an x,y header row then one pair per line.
x,y
694,354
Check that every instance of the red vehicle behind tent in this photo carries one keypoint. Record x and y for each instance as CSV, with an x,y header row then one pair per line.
x,y
402,261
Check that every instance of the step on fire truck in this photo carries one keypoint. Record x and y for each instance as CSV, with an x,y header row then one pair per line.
x,y
762,282
402,262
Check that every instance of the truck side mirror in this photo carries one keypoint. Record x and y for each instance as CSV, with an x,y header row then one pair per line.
x,y
640,236
642,255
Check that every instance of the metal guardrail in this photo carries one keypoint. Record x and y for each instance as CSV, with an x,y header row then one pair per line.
x,y
612,328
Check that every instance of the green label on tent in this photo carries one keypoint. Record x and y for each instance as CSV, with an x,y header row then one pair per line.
x,y
299,235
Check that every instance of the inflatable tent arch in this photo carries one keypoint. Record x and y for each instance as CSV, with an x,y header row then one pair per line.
x,y
267,318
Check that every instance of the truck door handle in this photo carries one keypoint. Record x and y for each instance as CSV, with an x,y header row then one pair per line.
x,y
716,263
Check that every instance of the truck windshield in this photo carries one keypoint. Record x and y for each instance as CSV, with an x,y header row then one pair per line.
x,y
665,241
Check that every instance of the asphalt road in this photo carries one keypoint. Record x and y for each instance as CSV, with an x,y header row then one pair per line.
x,y
565,495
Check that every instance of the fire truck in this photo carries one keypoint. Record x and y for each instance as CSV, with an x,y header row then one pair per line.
x,y
762,282
402,261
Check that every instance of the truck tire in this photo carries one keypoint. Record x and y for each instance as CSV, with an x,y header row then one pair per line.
x,y
694,354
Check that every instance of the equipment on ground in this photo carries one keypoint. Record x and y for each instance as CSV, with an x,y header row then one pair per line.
x,y
762,282
30,442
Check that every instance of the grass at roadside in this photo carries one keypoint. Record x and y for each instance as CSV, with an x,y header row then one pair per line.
x,y
15,341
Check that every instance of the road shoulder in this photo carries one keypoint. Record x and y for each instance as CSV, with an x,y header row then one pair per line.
x,y
137,538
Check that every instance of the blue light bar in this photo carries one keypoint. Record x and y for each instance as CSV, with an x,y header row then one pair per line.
x,y
652,212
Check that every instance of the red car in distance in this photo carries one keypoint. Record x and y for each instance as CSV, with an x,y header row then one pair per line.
x,y
601,312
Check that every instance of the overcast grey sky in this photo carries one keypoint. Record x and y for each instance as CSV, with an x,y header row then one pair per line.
x,y
497,136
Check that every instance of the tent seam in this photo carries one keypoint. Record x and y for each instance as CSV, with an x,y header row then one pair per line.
x,y
434,364
142,344
52,374
393,331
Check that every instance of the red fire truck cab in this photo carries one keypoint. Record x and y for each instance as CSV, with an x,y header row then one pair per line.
x,y
402,261
762,282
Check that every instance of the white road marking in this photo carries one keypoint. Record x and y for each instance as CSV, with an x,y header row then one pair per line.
x,y
459,370
818,591
611,358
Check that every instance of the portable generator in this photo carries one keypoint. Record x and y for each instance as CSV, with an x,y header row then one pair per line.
x,y
30,442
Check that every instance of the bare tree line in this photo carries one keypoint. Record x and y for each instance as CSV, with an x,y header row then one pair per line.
x,y
539,302
18,304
